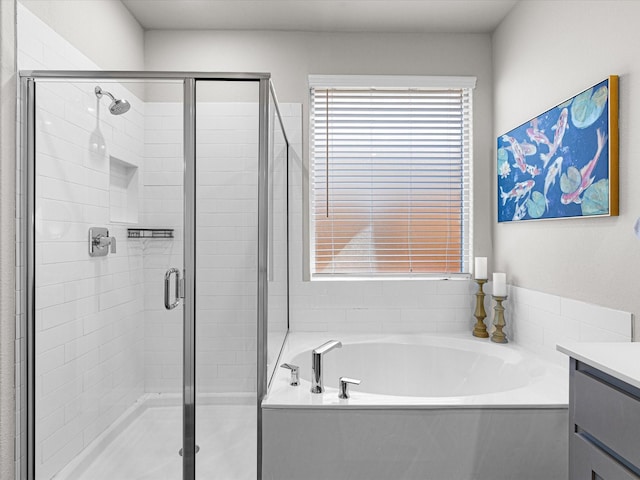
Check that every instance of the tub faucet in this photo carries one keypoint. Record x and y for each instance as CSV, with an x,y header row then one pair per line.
x,y
316,364
294,381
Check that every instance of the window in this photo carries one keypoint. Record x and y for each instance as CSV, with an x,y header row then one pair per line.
x,y
390,176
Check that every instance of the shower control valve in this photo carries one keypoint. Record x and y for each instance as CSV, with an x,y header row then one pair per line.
x,y
344,386
295,380
100,243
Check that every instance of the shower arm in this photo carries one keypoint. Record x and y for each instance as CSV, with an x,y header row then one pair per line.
x,y
99,93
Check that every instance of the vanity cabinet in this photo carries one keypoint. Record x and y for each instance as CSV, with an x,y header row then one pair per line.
x,y
604,425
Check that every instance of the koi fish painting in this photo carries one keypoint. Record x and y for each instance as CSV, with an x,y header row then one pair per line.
x,y
564,162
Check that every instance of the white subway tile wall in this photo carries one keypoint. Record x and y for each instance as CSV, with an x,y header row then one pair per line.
x,y
89,311
539,321
163,204
226,241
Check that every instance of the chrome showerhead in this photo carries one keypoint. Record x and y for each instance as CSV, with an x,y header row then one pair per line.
x,y
117,107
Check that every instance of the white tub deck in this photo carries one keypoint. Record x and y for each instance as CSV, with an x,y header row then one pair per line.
x,y
529,381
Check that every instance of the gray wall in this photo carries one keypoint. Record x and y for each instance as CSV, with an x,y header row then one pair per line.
x,y
7,235
543,53
292,56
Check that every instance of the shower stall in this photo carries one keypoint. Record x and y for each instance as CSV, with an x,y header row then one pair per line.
x,y
154,260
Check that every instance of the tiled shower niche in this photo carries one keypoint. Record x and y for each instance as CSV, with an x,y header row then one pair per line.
x,y
124,191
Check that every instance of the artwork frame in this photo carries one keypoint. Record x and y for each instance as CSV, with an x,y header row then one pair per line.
x,y
562,163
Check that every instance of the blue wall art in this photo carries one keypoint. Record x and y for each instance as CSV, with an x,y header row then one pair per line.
x,y
563,163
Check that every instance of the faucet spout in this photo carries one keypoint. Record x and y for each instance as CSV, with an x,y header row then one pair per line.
x,y
325,347
317,385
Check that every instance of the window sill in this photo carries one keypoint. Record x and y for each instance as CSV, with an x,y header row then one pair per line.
x,y
383,278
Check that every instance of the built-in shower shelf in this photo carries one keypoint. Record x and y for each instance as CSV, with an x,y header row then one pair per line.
x,y
150,232
124,188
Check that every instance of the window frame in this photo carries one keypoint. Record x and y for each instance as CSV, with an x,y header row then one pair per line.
x,y
399,82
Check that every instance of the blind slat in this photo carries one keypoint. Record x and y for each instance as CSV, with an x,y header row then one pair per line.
x,y
390,180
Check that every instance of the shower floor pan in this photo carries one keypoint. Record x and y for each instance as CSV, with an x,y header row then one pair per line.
x,y
148,447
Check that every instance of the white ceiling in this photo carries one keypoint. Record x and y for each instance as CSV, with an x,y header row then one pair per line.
x,y
456,16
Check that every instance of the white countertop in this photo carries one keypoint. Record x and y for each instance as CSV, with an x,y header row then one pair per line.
x,y
620,360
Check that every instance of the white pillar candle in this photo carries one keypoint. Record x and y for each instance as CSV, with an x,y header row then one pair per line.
x,y
481,268
499,284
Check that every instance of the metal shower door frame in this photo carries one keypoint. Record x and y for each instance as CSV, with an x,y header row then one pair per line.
x,y
28,80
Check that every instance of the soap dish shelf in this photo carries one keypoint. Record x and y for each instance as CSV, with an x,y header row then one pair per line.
x,y
150,232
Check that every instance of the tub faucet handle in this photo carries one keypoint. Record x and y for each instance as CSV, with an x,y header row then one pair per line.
x,y
295,369
344,386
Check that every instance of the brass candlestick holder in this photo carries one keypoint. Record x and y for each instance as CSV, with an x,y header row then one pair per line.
x,y
498,321
480,329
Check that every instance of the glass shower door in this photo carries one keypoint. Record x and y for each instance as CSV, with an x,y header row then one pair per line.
x,y
108,224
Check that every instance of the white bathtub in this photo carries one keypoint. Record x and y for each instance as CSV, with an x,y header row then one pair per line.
x,y
441,407
420,371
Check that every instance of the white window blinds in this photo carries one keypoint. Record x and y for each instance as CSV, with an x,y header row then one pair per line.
x,y
390,180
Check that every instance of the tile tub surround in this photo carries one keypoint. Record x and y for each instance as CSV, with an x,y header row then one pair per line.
x,y
539,321
383,306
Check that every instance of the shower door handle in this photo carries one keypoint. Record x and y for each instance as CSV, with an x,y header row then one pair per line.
x,y
179,289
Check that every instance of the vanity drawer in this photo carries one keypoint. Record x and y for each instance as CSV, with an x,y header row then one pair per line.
x,y
608,414
590,463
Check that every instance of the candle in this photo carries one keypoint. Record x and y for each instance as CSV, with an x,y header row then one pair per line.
x,y
499,284
481,268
